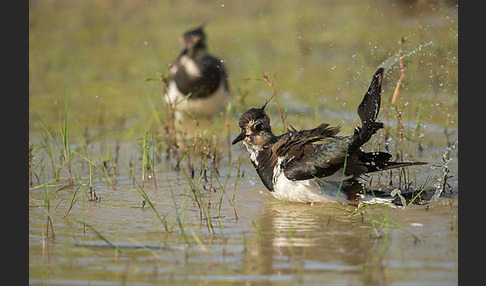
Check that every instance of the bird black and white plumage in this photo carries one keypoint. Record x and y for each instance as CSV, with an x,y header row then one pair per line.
x,y
316,165
197,82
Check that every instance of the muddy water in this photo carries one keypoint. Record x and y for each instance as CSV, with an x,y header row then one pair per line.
x,y
247,238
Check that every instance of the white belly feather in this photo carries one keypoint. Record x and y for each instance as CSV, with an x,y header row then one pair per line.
x,y
204,106
308,191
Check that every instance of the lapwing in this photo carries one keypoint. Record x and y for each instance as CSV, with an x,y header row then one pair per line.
x,y
197,82
316,165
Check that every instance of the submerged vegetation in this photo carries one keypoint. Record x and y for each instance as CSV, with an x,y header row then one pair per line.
x,y
116,179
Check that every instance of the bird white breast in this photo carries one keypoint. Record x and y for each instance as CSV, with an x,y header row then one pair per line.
x,y
203,106
306,191
253,151
190,66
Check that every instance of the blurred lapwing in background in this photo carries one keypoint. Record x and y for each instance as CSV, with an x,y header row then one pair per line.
x,y
197,83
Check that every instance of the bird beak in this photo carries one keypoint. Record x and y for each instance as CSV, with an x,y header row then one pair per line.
x,y
239,138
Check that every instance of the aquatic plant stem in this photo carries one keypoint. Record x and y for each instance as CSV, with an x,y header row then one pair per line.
x,y
394,101
228,129
178,217
74,199
99,235
141,191
274,95
47,202
65,140
88,153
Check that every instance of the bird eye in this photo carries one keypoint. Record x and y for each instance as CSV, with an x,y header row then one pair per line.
x,y
258,127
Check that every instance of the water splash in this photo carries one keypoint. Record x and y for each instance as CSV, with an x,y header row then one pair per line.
x,y
388,63
441,183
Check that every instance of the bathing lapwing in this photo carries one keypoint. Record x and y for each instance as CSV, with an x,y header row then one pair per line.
x,y
316,165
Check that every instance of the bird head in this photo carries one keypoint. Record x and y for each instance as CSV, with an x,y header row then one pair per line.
x,y
193,42
256,131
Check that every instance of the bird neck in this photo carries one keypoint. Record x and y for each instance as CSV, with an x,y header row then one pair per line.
x,y
264,158
259,143
265,163
194,52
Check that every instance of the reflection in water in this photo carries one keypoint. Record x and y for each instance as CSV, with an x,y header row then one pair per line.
x,y
328,242
298,238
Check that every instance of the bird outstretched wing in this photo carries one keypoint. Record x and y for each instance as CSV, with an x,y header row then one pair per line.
x,y
368,111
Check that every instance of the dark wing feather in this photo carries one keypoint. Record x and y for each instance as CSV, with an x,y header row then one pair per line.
x,y
293,144
379,161
320,160
368,112
318,153
370,106
212,72
311,153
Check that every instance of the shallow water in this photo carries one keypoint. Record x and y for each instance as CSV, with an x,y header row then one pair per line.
x,y
249,239
90,72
